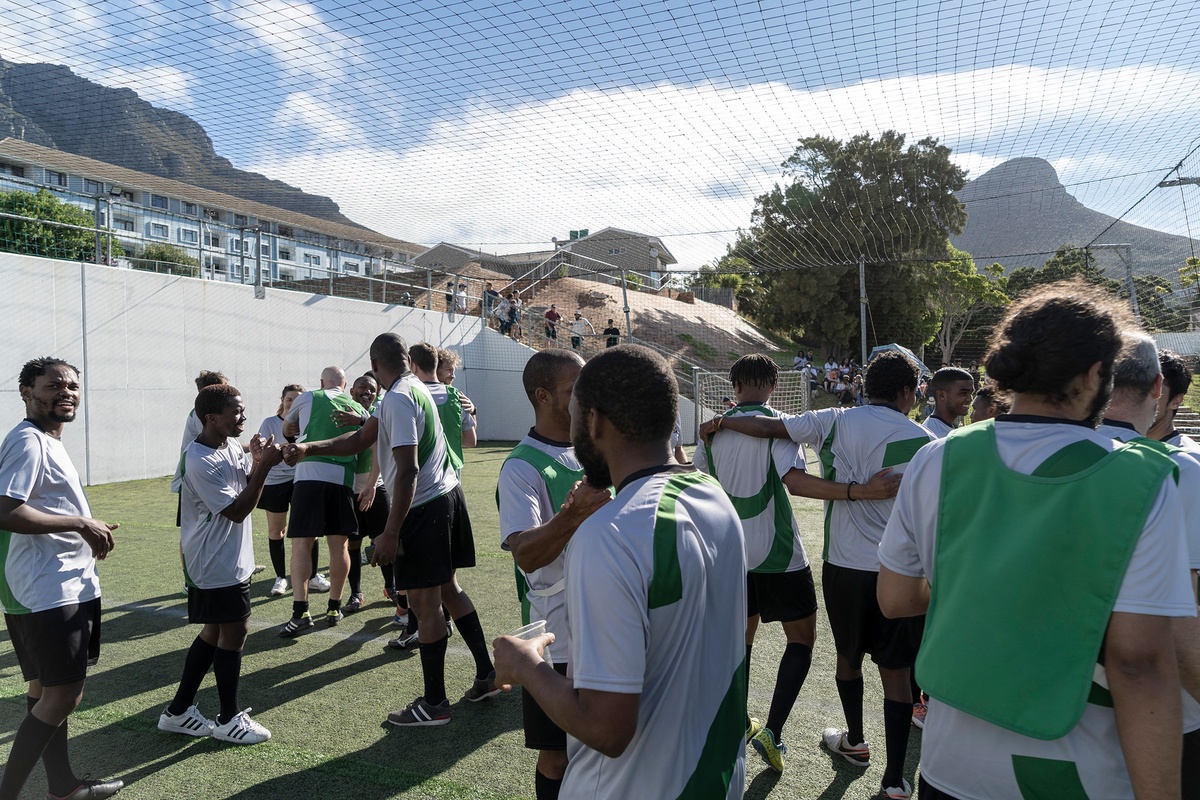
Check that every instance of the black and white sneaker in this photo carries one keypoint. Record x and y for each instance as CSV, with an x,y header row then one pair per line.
x,y
189,723
295,625
241,730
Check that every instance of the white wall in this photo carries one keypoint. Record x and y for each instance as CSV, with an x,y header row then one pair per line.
x,y
148,335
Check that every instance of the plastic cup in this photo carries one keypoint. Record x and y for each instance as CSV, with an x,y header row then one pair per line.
x,y
532,631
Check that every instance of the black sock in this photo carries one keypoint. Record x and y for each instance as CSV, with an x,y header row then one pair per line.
x,y
316,551
56,760
277,559
28,745
299,608
433,668
472,635
411,627
335,605
195,667
389,579
354,577
793,669
402,601
227,668
897,718
851,693
546,788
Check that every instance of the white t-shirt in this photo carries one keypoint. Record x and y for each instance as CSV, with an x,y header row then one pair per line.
x,y
580,326
682,655
45,570
1183,441
935,426
281,472
742,463
217,551
308,469
192,428
972,759
407,416
853,444
525,503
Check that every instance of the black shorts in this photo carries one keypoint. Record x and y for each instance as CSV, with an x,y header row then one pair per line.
x,y
372,521
576,342
540,731
781,596
215,606
179,509
276,497
321,509
1191,764
928,792
437,540
56,646
857,624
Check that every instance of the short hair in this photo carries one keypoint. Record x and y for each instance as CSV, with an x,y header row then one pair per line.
x,y
634,388
447,356
390,350
37,367
209,378
991,395
291,387
755,370
1176,375
543,367
889,374
1053,335
424,356
1136,368
944,377
214,399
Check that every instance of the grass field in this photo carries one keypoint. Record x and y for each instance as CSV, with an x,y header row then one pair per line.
x,y
325,694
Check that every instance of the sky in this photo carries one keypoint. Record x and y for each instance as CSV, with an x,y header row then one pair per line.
x,y
502,124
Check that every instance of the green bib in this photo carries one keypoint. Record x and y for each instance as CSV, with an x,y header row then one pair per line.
x,y
559,482
362,461
1024,660
450,414
321,427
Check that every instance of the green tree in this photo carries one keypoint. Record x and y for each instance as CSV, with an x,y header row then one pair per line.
x,y
1067,262
871,197
730,272
72,238
160,257
1189,278
962,292
1154,303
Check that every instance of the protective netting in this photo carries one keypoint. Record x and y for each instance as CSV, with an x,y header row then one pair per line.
x,y
793,393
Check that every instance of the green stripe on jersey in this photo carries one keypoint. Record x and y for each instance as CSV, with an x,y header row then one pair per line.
x,y
830,474
718,759
1075,457
7,599
1048,779
428,440
666,585
901,452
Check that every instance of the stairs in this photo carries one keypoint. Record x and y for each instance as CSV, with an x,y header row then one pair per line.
x,y
1188,421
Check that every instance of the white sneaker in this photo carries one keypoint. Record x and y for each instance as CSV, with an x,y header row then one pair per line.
x,y
902,792
318,583
241,730
189,723
279,587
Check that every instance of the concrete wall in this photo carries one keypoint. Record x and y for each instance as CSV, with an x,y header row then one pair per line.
x,y
140,339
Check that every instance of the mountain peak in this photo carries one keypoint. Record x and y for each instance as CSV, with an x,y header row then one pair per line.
x,y
1013,177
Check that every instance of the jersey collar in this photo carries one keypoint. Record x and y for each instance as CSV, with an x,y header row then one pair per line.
x,y
1040,420
538,437
670,469
1116,423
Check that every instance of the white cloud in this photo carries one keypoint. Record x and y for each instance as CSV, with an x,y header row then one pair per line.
x,y
160,85
295,35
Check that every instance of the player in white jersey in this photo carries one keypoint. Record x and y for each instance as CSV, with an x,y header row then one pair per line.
x,y
758,475
951,389
1137,388
221,486
48,585
1177,378
277,493
1020,705
538,477
853,445
427,517
989,403
656,605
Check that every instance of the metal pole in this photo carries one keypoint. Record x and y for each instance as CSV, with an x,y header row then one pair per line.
x,y
370,279
259,291
695,404
200,248
99,250
428,290
862,310
108,224
87,384
1132,287
625,296
242,254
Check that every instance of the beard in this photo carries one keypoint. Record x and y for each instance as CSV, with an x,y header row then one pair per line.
x,y
1099,404
595,468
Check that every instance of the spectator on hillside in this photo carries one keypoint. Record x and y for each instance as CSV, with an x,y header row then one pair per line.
x,y
974,370
552,318
490,298
501,313
578,326
460,299
612,334
831,378
830,364
799,362
514,316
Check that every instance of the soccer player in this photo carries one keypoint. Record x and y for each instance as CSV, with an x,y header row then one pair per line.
x,y
580,326
854,444
221,486
1176,380
612,335
428,517
535,481
370,505
989,403
322,499
758,474
1064,683
952,389
656,605
277,493
455,409
51,597
192,427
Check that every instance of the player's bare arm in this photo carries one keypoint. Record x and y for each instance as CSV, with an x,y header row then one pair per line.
x,y
537,547
17,517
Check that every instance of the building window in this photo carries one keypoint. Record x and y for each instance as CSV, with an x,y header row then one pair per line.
x,y
350,266
235,245
12,169
189,209
123,224
92,187
214,240
213,214
158,201
266,249
616,251
285,254
239,220
312,261
159,231
286,230
56,178
188,236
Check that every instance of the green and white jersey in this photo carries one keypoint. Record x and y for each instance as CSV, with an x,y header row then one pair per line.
x,y
192,427
656,606
853,444
363,462
1183,442
313,412
751,471
937,427
976,760
217,552
281,472
45,570
525,502
407,416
